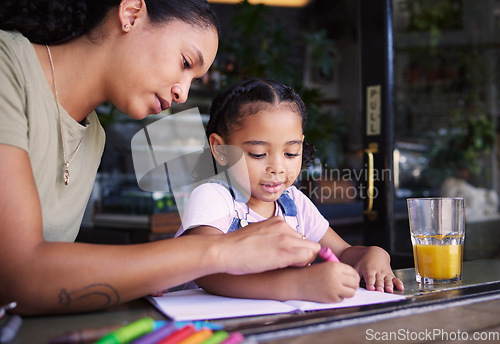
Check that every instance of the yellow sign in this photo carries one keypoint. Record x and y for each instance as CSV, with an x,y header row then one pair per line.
x,y
373,110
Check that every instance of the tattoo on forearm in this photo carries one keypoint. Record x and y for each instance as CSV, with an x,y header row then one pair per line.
x,y
98,293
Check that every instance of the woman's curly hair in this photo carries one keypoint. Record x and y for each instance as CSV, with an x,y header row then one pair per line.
x,y
58,21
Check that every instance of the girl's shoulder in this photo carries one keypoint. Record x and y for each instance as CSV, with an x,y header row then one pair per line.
x,y
300,198
295,193
211,191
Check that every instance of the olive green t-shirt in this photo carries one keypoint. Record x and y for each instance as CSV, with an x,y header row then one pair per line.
x,y
29,120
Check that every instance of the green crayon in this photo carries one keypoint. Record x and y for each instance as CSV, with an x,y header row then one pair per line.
x,y
131,331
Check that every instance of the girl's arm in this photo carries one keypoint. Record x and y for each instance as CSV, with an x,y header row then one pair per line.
x,y
325,282
371,262
59,277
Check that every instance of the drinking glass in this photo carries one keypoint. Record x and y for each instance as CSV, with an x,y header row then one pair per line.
x,y
437,228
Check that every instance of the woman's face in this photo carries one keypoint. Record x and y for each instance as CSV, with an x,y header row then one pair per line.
x,y
155,64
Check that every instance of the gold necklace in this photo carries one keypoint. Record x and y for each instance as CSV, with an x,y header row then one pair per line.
x,y
66,162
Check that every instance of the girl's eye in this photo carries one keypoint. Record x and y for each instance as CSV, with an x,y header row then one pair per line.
x,y
256,156
292,155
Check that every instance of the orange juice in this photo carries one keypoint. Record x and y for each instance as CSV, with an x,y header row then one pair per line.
x,y
438,262
437,229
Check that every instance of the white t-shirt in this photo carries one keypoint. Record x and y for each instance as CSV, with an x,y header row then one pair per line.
x,y
212,204
29,120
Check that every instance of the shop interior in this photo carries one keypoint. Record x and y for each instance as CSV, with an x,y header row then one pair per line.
x,y
444,65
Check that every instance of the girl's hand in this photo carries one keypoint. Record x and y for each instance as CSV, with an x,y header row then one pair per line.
x,y
327,282
374,266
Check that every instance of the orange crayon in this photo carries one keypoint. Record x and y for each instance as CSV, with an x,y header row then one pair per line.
x,y
198,337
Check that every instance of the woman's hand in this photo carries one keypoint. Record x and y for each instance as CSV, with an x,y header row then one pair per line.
x,y
266,245
374,266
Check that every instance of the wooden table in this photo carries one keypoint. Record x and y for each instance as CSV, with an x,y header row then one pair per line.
x,y
453,313
445,313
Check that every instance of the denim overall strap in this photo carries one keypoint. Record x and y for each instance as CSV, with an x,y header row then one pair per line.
x,y
235,225
284,201
287,204
237,197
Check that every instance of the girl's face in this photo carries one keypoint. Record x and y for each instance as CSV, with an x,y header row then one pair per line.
x,y
155,65
271,141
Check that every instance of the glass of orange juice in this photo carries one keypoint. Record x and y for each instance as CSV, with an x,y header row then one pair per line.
x,y
437,228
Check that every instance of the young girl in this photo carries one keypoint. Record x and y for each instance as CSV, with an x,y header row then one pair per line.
x,y
265,119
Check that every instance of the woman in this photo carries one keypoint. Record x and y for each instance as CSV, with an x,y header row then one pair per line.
x,y
58,61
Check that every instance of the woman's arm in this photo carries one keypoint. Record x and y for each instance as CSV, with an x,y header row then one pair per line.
x,y
57,277
325,282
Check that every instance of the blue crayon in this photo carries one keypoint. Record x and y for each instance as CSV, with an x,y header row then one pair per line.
x,y
10,328
198,325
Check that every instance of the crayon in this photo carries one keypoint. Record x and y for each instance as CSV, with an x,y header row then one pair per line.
x,y
178,335
198,337
216,338
327,254
83,335
234,338
200,324
156,335
131,331
9,329
7,307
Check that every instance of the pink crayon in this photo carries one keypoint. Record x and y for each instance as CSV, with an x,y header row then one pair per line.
x,y
234,338
327,255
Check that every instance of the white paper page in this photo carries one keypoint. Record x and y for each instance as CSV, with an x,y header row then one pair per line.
x,y
362,297
196,304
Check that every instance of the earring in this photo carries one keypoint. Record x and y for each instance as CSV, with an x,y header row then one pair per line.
x,y
126,26
221,159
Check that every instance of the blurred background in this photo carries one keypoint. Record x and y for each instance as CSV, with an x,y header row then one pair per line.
x,y
403,102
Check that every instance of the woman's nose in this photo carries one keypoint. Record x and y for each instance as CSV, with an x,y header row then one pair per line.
x,y
180,92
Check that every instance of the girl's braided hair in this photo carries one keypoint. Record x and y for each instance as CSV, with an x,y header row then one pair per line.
x,y
58,21
248,97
